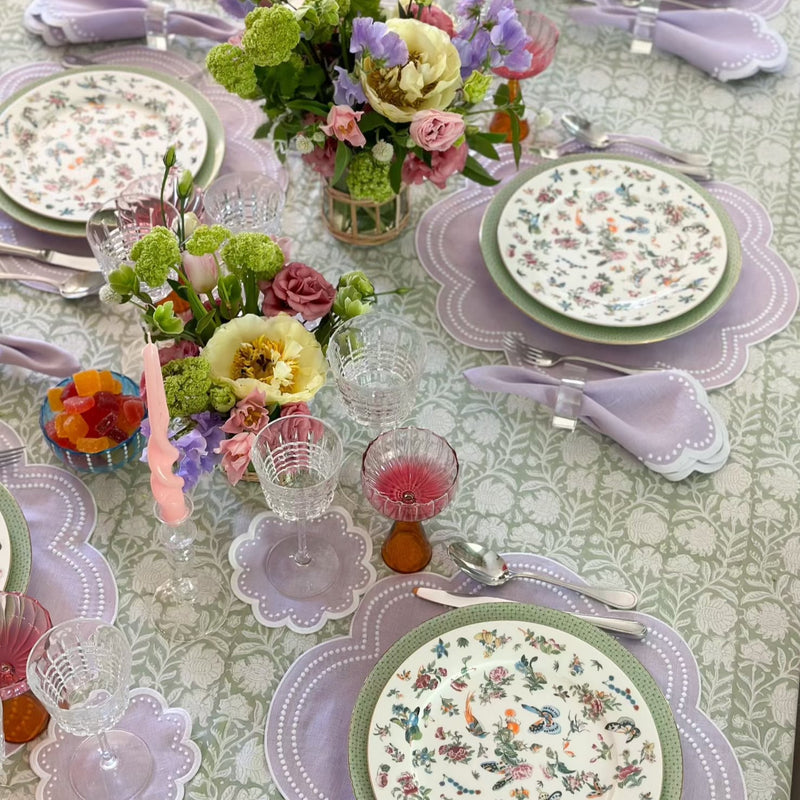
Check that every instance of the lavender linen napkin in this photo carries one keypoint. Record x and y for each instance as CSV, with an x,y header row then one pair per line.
x,y
663,418
37,356
74,21
729,44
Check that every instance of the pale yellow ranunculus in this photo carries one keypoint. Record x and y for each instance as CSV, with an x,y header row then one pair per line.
x,y
429,79
275,355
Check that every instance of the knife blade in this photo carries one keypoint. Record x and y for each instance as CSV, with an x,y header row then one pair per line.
x,y
52,257
625,627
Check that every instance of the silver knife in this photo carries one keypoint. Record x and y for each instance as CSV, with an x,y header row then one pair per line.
x,y
53,257
626,627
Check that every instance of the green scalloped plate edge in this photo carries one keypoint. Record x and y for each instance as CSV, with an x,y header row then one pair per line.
x,y
368,696
18,532
215,152
586,331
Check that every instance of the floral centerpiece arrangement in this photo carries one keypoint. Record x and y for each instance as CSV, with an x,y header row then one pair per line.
x,y
376,104
243,331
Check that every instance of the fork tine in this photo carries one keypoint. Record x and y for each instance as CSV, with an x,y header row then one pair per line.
x,y
527,353
11,456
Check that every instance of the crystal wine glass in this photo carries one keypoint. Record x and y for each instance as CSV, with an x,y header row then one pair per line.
x,y
80,670
377,361
542,47
297,460
409,475
245,202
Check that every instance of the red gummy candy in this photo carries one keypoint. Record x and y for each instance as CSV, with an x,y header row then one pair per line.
x,y
70,390
77,404
118,435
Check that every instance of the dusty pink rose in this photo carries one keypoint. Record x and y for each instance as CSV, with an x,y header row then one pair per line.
x,y
236,456
298,289
303,426
443,165
247,415
201,271
436,130
323,159
435,16
343,124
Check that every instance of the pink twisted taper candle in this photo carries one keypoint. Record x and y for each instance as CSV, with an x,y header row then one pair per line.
x,y
167,487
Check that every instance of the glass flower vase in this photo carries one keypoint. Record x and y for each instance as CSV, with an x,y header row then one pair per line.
x,y
365,222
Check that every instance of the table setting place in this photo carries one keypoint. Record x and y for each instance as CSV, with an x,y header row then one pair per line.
x,y
400,400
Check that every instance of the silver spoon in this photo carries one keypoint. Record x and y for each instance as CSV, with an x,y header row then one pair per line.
x,y
74,287
584,131
489,568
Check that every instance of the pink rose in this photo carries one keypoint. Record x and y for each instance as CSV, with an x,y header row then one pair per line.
x,y
443,165
322,159
342,123
435,16
247,415
236,456
303,425
298,289
201,271
436,130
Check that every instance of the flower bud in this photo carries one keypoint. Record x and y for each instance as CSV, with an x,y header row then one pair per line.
x,y
170,158
201,271
185,184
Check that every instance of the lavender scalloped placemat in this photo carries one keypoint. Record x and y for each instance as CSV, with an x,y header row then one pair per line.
x,y
248,554
167,732
242,152
474,311
316,696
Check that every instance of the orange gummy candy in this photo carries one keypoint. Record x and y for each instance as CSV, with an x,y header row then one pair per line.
x,y
106,381
73,427
116,386
87,382
54,399
94,444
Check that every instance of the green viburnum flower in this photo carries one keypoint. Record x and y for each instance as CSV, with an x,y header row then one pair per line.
x,y
154,255
187,384
476,86
207,239
349,303
231,67
358,281
221,397
253,252
271,34
368,179
165,319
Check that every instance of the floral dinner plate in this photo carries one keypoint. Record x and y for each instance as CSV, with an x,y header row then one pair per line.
x,y
613,242
516,702
75,139
15,544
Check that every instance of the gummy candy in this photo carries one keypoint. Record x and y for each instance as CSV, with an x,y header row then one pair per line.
x,y
54,399
78,404
87,382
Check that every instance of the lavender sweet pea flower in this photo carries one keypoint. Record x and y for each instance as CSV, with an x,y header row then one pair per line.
x,y
209,425
346,91
473,53
510,39
237,8
469,8
373,38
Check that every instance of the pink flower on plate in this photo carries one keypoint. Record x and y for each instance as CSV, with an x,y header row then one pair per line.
x,y
236,456
298,289
435,130
343,124
247,415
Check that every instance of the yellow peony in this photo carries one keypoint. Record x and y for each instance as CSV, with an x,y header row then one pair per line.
x,y
429,79
276,356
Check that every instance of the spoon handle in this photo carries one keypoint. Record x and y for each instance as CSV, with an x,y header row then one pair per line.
x,y
11,276
615,598
695,159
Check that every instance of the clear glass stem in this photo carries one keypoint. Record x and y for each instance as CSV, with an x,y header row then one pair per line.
x,y
301,557
108,759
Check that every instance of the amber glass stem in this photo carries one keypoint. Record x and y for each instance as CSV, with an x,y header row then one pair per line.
x,y
406,548
501,121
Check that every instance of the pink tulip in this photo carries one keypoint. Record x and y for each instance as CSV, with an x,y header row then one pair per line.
x,y
201,271
343,124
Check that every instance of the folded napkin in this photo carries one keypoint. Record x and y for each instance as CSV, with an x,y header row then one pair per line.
x,y
663,418
726,43
73,21
37,356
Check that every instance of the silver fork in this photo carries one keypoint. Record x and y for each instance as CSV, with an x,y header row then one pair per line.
x,y
11,456
536,357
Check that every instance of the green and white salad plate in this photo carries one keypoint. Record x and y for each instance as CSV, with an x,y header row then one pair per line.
x,y
68,176
515,701
524,292
15,539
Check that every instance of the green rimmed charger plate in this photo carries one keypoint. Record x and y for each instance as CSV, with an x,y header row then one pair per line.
x,y
589,332
21,556
385,671
207,171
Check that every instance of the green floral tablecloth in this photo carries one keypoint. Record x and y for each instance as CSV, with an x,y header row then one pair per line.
x,y
716,556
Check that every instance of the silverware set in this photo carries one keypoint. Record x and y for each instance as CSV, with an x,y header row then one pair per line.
x,y
536,357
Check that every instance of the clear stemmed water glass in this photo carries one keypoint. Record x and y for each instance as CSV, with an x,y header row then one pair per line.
x,y
409,475
80,670
377,361
297,459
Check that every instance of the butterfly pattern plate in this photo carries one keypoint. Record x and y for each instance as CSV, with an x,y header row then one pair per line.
x,y
517,707
84,135
612,242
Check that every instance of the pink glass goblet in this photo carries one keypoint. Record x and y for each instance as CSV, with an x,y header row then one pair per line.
x,y
409,475
22,621
542,47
